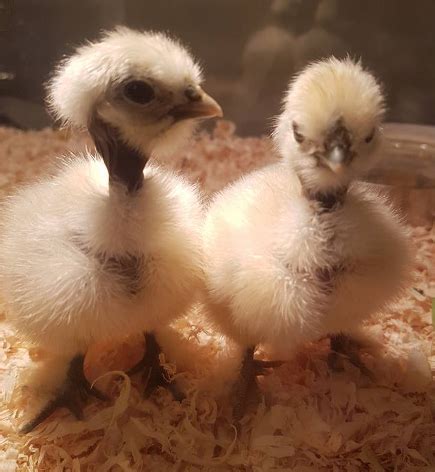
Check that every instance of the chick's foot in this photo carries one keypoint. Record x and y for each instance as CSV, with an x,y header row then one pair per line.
x,y
154,375
246,388
344,347
71,394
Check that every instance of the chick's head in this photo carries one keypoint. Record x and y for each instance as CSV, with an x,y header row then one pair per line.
x,y
145,85
329,129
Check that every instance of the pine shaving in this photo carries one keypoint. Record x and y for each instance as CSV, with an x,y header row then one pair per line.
x,y
309,420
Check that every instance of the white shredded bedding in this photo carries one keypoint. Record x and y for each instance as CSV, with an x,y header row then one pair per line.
x,y
309,419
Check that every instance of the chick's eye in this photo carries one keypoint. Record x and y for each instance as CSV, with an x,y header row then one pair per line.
x,y
139,92
370,137
298,136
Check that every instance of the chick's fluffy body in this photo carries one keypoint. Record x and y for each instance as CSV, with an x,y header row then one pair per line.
x,y
66,244
282,267
281,273
87,256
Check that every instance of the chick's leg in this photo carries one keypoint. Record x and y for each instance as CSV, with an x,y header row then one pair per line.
x,y
74,390
154,374
246,385
345,346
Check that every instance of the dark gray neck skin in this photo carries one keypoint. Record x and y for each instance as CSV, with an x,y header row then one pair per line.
x,y
125,166
326,201
324,204
124,163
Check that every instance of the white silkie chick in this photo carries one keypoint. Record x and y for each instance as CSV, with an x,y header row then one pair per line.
x,y
299,250
110,245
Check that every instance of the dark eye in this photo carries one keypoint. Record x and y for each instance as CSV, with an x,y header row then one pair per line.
x,y
298,136
139,92
370,137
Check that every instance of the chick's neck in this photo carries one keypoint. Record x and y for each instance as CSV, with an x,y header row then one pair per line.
x,y
124,163
325,200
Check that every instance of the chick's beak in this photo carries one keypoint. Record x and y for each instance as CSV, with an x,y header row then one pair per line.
x,y
339,152
199,105
338,158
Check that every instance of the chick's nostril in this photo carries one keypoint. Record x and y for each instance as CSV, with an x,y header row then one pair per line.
x,y
192,93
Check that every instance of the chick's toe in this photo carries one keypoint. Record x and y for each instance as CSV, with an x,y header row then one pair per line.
x,y
246,389
344,347
155,375
71,394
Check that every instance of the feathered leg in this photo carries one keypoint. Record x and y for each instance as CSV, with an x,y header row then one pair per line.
x,y
246,384
74,390
154,374
344,346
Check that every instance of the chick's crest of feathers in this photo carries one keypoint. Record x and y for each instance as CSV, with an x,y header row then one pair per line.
x,y
81,80
326,91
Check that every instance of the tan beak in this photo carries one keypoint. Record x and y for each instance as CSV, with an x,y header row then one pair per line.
x,y
201,108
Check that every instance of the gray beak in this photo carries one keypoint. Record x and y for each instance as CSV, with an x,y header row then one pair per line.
x,y
338,145
338,158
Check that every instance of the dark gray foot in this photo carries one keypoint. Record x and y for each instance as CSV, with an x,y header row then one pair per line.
x,y
154,374
246,386
73,392
344,347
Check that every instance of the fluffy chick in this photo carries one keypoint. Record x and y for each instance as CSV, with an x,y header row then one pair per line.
x,y
298,250
109,246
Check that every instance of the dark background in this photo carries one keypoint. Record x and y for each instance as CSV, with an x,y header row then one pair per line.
x,y
249,48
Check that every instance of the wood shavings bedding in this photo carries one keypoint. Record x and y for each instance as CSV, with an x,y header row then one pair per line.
x,y
309,419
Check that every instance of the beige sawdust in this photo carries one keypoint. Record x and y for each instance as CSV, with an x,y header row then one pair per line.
x,y
309,419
